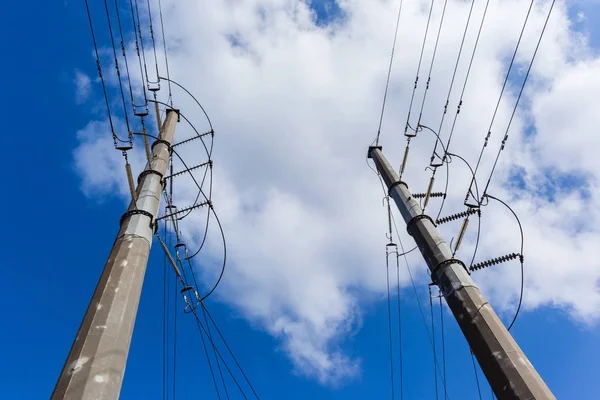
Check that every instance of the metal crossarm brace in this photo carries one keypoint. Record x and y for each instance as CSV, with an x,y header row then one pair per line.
x,y
211,132
190,208
189,169
434,194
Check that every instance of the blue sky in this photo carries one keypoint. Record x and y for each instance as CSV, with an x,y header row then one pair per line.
x,y
55,242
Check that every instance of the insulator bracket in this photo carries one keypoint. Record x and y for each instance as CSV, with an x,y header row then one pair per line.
x,y
434,194
459,215
494,261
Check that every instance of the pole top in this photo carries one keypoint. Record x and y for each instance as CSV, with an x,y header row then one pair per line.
x,y
371,148
175,110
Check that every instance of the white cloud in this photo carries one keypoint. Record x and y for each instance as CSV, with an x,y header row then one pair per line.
x,y
83,86
295,107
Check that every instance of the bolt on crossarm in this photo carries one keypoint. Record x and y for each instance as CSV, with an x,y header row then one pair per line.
x,y
96,363
504,364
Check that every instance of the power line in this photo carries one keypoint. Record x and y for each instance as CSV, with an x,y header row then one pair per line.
x,y
112,128
389,307
462,93
124,55
137,30
443,347
476,374
519,97
489,133
114,49
230,351
437,40
162,28
212,373
399,325
387,83
521,258
434,347
462,42
418,69
215,354
201,329
153,44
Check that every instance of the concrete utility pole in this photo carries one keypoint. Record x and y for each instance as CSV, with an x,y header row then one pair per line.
x,y
96,363
506,367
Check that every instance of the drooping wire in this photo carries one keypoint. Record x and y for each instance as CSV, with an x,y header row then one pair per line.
x,y
437,40
114,49
208,360
462,93
521,258
443,347
139,32
201,330
462,42
519,97
387,83
401,372
153,43
139,51
162,28
124,53
412,97
165,362
389,307
215,354
476,374
112,128
435,363
230,351
175,340
489,133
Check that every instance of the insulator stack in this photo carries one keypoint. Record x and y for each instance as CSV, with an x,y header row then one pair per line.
x,y
428,194
433,194
130,180
146,145
404,160
158,123
461,235
460,215
494,261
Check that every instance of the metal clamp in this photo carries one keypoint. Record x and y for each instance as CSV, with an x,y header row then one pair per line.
x,y
414,220
148,172
393,185
137,212
158,141
445,263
